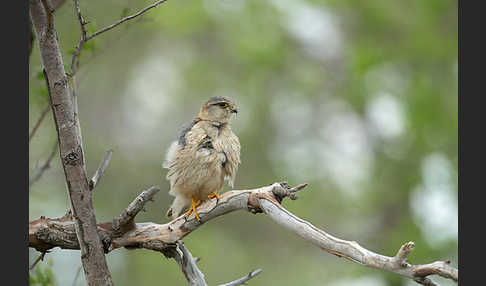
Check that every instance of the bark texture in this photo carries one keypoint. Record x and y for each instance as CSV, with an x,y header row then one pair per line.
x,y
70,146
187,263
48,233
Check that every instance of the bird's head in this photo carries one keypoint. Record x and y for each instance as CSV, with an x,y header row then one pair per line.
x,y
219,109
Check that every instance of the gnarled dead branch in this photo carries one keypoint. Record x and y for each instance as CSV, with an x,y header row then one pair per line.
x,y
161,237
187,263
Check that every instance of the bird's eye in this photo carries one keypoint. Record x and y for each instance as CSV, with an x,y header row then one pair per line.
x,y
222,104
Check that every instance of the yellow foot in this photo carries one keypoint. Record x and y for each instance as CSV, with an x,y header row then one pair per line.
x,y
193,209
214,194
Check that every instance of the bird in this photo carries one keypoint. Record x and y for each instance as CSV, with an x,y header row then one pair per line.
x,y
205,154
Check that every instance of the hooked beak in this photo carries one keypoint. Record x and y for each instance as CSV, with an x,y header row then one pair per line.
x,y
234,109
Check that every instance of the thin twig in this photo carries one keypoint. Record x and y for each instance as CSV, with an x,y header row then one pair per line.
x,y
85,38
125,19
101,169
107,47
77,275
39,258
77,50
45,166
243,280
39,121
81,20
45,111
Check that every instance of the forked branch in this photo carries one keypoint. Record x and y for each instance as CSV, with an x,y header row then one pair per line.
x,y
107,28
243,280
187,263
85,37
161,237
101,169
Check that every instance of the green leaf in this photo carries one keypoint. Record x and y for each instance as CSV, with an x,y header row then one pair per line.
x,y
42,276
40,75
90,46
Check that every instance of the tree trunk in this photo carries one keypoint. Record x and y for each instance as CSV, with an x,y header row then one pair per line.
x,y
70,146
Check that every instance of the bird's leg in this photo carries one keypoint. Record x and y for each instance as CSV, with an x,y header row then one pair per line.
x,y
214,194
193,209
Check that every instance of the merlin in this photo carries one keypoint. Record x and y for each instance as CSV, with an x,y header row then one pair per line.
x,y
206,154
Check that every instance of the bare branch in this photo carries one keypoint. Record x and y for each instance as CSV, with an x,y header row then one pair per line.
x,y
85,37
108,46
243,280
70,147
125,19
81,20
39,121
267,200
77,275
101,169
187,263
441,268
55,4
45,111
125,220
54,149
39,258
402,254
44,167
352,250
48,11
77,50
425,281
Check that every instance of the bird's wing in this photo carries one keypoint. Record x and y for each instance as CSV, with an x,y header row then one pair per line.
x,y
232,152
188,158
177,145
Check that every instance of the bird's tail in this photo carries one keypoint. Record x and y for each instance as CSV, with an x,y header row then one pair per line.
x,y
178,206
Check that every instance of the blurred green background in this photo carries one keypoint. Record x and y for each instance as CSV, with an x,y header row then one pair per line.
x,y
356,98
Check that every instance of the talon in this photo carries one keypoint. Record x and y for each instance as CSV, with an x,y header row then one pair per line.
x,y
214,194
193,209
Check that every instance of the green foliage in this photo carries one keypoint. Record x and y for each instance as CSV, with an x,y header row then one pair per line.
x,y
40,75
298,112
42,275
90,45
